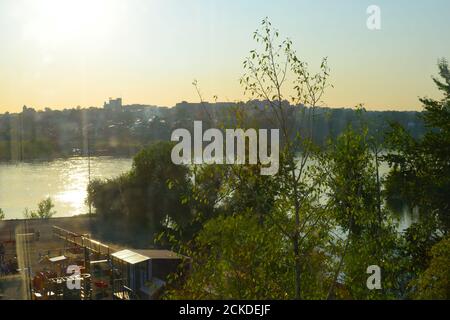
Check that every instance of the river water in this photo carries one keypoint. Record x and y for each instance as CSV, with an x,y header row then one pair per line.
x,y
24,185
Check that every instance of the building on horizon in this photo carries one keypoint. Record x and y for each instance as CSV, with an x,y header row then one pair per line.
x,y
113,104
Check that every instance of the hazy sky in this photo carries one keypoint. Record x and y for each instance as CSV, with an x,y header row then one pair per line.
x,y
64,53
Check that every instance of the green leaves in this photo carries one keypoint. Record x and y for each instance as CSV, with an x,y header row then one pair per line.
x,y
44,210
237,258
148,199
421,170
434,282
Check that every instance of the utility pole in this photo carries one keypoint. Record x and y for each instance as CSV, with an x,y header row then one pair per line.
x,y
89,167
86,143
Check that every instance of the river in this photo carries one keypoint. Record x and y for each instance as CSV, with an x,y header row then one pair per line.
x,y
24,185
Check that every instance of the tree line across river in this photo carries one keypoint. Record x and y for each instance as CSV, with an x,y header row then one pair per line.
x,y
49,134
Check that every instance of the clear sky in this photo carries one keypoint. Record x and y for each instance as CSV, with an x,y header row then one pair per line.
x,y
65,53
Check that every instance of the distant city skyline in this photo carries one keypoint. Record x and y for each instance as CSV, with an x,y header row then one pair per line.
x,y
68,53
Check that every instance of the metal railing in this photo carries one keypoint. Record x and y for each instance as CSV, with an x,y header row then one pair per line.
x,y
82,241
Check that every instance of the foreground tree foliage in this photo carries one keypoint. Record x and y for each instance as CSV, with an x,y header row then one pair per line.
x,y
141,203
434,281
312,230
365,233
237,258
290,204
420,178
274,72
421,168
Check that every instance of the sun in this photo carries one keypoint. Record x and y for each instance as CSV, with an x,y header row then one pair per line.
x,y
51,21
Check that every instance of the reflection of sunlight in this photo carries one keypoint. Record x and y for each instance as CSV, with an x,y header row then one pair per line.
x,y
64,181
74,199
75,179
